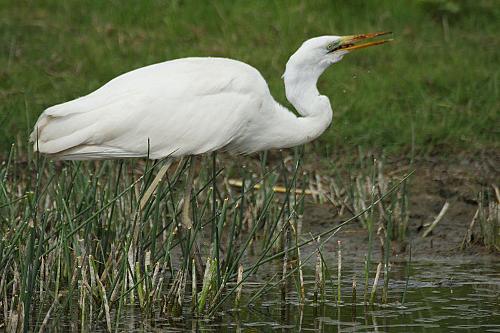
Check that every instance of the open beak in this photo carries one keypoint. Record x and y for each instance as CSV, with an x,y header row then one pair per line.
x,y
348,43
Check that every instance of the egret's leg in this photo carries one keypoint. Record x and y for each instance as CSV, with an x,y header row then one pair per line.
x,y
186,219
214,184
215,231
187,224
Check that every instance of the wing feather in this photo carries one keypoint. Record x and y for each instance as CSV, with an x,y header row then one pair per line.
x,y
180,107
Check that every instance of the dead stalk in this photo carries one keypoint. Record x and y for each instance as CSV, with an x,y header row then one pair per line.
x,y
438,218
239,282
375,283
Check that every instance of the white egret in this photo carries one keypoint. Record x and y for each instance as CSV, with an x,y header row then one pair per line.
x,y
192,106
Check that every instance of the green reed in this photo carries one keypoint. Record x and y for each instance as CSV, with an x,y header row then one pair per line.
x,y
91,238
489,218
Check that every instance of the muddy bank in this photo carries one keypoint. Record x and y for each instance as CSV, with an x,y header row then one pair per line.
x,y
457,181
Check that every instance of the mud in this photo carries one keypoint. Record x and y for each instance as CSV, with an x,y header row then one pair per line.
x,y
457,181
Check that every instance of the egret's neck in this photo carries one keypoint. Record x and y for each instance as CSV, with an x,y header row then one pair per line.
x,y
301,89
315,109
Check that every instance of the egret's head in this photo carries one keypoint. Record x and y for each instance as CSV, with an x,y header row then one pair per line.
x,y
321,52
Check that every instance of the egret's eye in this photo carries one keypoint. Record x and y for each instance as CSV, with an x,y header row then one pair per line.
x,y
332,47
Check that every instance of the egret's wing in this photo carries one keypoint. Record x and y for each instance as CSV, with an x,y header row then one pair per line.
x,y
181,107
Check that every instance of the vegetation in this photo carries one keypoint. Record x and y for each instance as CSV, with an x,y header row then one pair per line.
x,y
435,87
83,240
94,233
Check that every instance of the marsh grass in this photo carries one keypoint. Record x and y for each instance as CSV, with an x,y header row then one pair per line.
x,y
489,220
80,240
486,221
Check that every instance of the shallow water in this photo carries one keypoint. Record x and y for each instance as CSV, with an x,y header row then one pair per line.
x,y
442,296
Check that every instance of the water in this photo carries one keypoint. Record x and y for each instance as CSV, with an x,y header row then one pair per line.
x,y
442,296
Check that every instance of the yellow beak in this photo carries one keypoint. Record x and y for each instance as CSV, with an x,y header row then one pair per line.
x,y
348,42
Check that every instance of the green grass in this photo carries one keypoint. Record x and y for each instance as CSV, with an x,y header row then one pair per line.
x,y
78,243
436,86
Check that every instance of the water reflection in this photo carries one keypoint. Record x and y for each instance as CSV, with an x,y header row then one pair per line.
x,y
441,297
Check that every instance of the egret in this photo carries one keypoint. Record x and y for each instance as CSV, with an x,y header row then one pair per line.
x,y
192,106
197,105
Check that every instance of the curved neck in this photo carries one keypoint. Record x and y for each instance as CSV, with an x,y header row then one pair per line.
x,y
300,87
315,109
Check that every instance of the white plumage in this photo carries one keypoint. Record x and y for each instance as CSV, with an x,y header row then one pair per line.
x,y
192,106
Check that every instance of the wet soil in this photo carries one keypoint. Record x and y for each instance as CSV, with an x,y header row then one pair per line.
x,y
456,180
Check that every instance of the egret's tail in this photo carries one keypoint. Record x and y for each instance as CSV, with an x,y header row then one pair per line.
x,y
54,133
69,132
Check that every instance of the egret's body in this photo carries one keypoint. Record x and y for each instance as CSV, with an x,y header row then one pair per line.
x,y
192,106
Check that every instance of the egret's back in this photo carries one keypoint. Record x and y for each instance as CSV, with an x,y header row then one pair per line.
x,y
180,107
